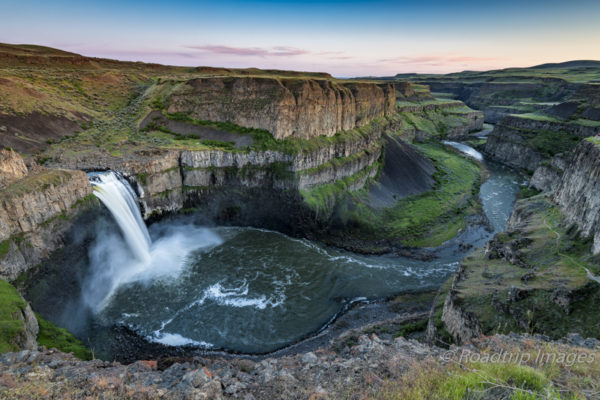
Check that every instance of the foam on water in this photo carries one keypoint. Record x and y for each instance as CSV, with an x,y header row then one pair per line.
x,y
113,264
175,339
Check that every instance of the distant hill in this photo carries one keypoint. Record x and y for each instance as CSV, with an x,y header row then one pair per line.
x,y
569,64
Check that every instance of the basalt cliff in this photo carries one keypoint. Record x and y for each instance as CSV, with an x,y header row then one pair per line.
x,y
290,107
34,209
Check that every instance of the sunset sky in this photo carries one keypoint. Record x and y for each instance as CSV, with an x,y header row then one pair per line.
x,y
345,38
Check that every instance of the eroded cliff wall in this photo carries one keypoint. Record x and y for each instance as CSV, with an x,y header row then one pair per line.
x,y
286,107
34,211
578,193
12,167
525,141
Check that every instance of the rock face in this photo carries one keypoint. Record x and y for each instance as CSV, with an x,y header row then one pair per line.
x,y
529,124
27,340
511,149
18,322
508,144
424,119
547,177
285,107
38,198
474,124
12,167
168,180
524,143
577,193
461,324
33,212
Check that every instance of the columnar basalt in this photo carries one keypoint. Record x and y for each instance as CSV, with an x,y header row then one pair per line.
x,y
577,192
286,107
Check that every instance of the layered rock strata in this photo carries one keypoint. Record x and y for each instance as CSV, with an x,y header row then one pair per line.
x,y
34,210
577,192
286,107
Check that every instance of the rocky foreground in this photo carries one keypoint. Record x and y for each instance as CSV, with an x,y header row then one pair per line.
x,y
501,366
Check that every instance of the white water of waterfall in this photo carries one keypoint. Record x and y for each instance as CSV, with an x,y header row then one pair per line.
x,y
119,198
128,255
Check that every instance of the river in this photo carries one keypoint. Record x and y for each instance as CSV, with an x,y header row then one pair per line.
x,y
250,290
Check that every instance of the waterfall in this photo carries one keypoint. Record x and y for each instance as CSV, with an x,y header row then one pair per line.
x,y
120,199
118,258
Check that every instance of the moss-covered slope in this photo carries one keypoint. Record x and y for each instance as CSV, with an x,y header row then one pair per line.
x,y
539,277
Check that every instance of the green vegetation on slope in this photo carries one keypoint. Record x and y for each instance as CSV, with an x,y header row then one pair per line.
x,y
511,380
49,335
11,317
436,122
423,220
53,336
264,140
550,143
323,198
552,293
433,217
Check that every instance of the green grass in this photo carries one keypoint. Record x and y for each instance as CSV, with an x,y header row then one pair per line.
x,y
595,140
53,336
340,161
413,327
49,335
549,118
4,247
539,117
11,324
482,375
142,177
323,198
527,192
427,380
433,217
434,123
587,122
549,143
557,256
264,140
423,220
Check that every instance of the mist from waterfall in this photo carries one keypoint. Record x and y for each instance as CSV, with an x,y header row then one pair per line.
x,y
129,254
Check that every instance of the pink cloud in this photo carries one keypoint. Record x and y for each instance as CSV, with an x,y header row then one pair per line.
x,y
472,59
278,51
436,60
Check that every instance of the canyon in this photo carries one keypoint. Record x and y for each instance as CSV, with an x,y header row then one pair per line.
x,y
356,164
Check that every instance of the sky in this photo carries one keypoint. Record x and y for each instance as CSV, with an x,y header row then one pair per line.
x,y
345,38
